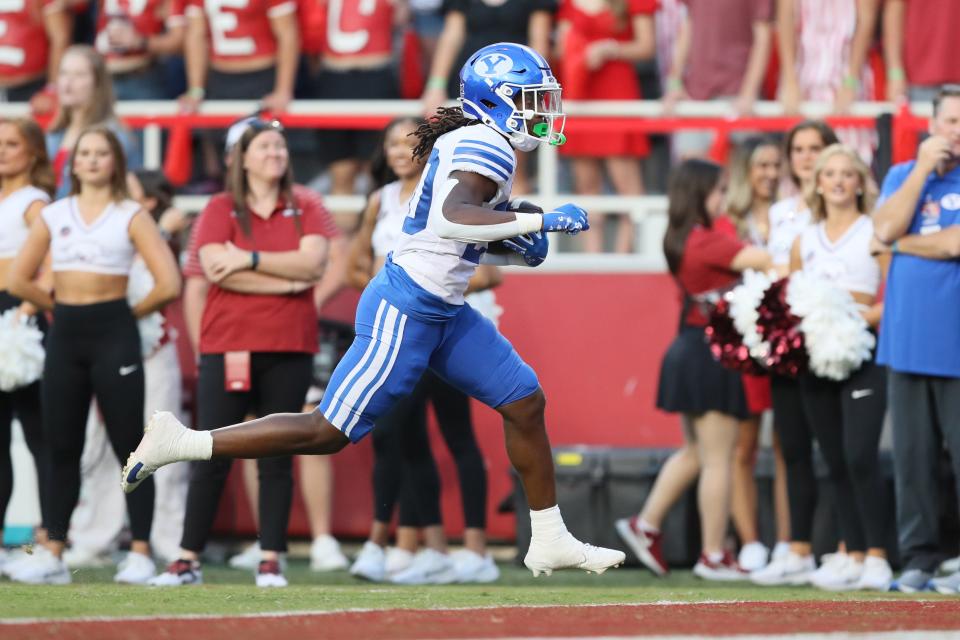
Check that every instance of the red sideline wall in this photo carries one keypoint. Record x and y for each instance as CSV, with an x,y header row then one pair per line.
x,y
595,340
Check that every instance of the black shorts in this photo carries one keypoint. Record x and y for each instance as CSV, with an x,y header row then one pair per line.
x,y
356,84
692,381
251,85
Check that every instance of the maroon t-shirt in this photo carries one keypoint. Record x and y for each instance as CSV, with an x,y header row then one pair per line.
x,y
260,323
929,42
707,255
720,39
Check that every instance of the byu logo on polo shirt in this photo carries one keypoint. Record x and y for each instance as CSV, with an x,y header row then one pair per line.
x,y
493,65
950,202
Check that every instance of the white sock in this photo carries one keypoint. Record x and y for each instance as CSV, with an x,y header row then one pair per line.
x,y
547,524
194,445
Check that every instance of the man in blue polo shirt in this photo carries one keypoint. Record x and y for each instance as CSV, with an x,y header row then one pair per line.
x,y
919,216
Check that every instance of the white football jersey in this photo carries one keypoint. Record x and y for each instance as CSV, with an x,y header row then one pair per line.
x,y
443,267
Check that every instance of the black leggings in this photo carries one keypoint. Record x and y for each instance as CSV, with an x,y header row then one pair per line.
x,y
847,419
278,384
24,404
796,441
92,351
404,467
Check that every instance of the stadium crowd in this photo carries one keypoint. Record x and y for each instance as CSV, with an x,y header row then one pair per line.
x,y
90,243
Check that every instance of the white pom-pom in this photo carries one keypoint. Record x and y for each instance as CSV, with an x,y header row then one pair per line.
x,y
139,284
21,351
744,300
837,338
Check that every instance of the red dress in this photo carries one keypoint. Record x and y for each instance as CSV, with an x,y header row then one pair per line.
x,y
615,80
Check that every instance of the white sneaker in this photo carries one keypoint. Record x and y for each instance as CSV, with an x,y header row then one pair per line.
x,y
136,568
41,567
179,572
429,566
370,563
840,573
159,446
569,553
719,569
877,574
950,566
80,558
791,569
17,557
269,574
325,554
780,550
397,560
248,559
753,556
472,567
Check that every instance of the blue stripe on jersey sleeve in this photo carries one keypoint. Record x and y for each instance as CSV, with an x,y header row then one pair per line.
x,y
486,155
418,222
467,161
481,143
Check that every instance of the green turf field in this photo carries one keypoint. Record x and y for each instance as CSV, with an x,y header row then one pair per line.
x,y
229,591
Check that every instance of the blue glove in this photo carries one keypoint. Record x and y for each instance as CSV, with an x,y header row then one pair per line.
x,y
532,247
568,218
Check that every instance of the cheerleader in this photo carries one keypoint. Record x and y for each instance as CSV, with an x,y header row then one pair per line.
x,y
847,417
754,178
788,217
704,260
26,183
94,346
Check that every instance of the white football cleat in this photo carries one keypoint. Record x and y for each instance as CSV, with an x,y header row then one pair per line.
x,y
157,448
569,553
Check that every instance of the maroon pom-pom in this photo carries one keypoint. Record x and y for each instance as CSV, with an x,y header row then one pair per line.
x,y
778,326
726,343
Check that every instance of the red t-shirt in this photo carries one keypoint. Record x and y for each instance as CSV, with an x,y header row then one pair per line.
x,y
707,255
720,39
240,29
929,42
192,267
148,18
260,323
357,27
24,48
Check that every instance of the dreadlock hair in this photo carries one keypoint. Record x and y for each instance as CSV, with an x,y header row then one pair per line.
x,y
446,120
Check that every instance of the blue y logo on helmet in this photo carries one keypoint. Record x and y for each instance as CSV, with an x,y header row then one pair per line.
x,y
493,65
511,88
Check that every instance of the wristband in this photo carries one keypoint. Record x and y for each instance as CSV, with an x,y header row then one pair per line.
x,y
529,222
674,84
896,73
197,92
254,260
851,82
437,82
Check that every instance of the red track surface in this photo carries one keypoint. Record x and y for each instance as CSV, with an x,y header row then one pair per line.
x,y
560,622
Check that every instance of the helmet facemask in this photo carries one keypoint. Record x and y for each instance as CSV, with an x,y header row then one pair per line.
x,y
537,114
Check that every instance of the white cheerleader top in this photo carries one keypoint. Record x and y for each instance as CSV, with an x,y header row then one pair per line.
x,y
846,263
101,247
389,220
788,218
13,226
